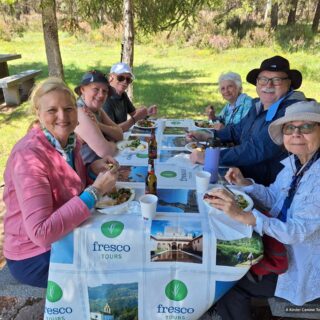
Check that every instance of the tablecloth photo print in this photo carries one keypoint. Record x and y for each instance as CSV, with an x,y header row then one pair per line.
x,y
173,240
239,253
177,200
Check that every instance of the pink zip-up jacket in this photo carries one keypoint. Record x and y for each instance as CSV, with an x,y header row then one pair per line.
x,y
41,196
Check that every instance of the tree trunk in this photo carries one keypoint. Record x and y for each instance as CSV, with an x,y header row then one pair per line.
x,y
128,38
274,15
292,13
51,39
315,23
266,13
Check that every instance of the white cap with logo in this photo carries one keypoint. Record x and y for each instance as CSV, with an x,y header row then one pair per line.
x,y
120,68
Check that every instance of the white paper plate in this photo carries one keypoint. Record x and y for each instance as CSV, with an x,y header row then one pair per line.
x,y
125,146
138,125
234,190
115,208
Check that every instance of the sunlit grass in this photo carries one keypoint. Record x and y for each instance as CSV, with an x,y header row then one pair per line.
x,y
181,81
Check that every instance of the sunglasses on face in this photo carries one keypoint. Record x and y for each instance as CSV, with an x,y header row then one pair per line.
x,y
305,128
121,78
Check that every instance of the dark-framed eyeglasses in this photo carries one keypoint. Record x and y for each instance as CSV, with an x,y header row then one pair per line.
x,y
122,78
305,128
276,81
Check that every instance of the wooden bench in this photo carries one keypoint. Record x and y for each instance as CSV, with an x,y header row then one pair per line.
x,y
16,88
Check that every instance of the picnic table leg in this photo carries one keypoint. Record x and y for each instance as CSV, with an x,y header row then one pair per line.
x,y
26,88
4,72
12,95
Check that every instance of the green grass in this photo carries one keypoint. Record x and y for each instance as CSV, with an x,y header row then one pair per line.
x,y
181,81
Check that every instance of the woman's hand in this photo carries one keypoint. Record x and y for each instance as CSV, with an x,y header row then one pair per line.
x,y
197,135
223,200
105,181
101,165
197,156
234,176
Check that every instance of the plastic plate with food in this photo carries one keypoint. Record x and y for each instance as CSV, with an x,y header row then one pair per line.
x,y
115,201
243,200
200,146
204,124
146,124
132,146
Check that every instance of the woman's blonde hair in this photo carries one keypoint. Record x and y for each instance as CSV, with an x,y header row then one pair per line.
x,y
46,86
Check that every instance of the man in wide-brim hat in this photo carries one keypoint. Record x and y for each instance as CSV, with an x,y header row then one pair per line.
x,y
255,153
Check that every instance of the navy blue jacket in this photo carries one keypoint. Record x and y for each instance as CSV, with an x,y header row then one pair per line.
x,y
256,155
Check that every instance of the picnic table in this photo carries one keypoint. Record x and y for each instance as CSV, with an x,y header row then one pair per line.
x,y
172,267
4,58
4,70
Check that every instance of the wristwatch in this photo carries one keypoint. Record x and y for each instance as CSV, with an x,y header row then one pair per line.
x,y
94,192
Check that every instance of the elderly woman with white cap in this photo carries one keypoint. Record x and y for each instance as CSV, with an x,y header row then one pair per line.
x,y
118,105
293,203
97,131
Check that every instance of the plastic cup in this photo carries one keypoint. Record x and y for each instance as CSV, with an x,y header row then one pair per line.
x,y
202,181
148,203
211,162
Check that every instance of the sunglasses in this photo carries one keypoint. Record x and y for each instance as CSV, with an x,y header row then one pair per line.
x,y
305,128
124,78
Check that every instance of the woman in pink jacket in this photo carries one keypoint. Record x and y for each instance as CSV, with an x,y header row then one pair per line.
x,y
46,186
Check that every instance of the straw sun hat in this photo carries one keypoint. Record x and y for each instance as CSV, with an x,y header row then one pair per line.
x,y
300,111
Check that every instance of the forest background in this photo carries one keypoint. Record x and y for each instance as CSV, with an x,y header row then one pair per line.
x,y
178,48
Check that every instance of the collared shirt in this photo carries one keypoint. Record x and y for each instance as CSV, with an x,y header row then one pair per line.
x,y
300,233
232,114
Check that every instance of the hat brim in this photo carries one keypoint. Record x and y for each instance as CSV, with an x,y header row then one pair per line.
x,y
294,75
77,89
275,128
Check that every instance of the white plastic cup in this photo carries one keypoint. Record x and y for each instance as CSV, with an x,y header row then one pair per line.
x,y
148,203
202,181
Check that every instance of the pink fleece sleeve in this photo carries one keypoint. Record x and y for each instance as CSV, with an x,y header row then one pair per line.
x,y
44,221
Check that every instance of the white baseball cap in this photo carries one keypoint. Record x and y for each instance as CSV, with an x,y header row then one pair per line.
x,y
120,68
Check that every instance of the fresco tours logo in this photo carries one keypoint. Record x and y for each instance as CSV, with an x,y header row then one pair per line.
x,y
168,174
175,290
111,230
54,294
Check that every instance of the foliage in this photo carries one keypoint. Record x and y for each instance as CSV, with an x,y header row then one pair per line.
x,y
295,37
258,37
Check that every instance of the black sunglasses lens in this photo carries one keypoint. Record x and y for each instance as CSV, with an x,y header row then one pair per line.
x,y
123,78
